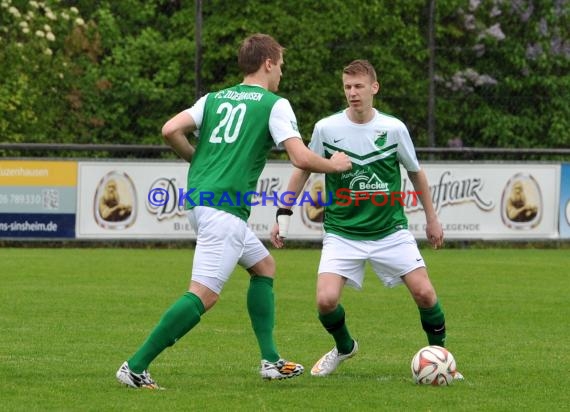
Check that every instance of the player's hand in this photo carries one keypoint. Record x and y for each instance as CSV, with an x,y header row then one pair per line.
x,y
434,233
341,161
276,240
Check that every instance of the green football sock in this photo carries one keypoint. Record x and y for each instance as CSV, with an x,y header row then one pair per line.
x,y
182,316
261,309
335,324
433,323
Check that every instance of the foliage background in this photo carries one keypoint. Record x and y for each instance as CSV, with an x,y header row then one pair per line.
x,y
115,71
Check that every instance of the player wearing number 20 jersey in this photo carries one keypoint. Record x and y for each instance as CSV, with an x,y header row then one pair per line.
x,y
238,126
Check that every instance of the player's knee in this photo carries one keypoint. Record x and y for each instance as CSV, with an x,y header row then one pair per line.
x,y
265,267
425,297
210,301
269,263
326,303
207,292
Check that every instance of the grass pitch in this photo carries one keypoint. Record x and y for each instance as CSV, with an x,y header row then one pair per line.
x,y
70,317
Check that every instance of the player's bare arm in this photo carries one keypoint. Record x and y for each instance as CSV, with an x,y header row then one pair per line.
x,y
174,132
434,231
295,185
305,159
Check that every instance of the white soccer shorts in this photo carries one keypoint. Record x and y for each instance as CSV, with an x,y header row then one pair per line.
x,y
391,257
223,241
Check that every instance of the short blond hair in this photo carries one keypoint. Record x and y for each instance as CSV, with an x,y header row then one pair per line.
x,y
356,67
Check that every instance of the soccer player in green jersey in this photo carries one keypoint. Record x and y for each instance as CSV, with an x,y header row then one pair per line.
x,y
237,128
365,221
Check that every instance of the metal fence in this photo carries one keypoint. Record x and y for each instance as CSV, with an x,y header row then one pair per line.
x,y
162,151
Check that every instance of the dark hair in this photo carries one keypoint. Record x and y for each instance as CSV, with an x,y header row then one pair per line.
x,y
255,50
360,67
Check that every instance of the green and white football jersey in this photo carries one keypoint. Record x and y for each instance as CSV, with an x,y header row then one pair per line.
x,y
237,128
376,149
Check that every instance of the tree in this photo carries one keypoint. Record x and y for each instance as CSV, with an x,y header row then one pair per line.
x,y
35,72
504,74
114,71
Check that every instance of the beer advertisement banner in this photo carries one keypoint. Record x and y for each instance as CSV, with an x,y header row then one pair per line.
x,y
37,199
474,201
564,218
146,201
490,201
132,200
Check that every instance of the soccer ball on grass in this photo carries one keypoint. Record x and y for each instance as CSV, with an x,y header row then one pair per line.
x,y
433,365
